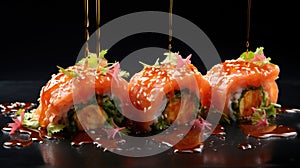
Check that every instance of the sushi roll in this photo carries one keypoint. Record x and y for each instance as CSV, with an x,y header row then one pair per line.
x,y
169,92
66,101
239,86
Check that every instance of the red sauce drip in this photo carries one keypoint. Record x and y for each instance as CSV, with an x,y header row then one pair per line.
x,y
80,139
97,138
17,143
219,131
288,110
33,135
13,107
267,131
191,142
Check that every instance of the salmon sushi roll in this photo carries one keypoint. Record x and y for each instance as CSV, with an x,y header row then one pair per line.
x,y
66,101
240,85
165,93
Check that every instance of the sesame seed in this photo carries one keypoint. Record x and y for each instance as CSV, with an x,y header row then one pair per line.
x,y
141,90
149,99
143,79
257,70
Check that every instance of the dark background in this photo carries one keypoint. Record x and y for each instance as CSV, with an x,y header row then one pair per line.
x,y
36,36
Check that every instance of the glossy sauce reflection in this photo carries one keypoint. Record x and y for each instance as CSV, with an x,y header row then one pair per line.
x,y
267,131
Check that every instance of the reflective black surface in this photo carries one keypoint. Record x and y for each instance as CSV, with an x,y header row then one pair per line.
x,y
38,35
217,152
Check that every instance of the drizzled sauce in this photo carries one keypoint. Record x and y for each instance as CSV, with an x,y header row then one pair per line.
x,y
170,25
86,26
267,131
248,25
98,27
7,108
192,142
26,137
288,110
273,130
97,138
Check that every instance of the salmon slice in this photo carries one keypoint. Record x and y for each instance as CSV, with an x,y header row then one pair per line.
x,y
62,91
149,89
233,76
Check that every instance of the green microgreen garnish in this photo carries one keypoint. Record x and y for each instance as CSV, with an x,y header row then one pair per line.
x,y
67,72
54,128
19,111
256,57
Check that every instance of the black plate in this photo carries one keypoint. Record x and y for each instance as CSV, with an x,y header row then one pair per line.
x,y
217,152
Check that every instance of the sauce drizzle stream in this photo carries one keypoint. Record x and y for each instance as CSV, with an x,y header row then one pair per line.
x,y
86,26
98,28
248,25
170,25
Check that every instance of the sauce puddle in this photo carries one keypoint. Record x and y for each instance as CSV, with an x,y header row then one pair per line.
x,y
11,108
26,137
268,131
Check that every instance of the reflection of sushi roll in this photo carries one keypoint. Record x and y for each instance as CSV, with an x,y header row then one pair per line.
x,y
244,83
165,92
66,101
